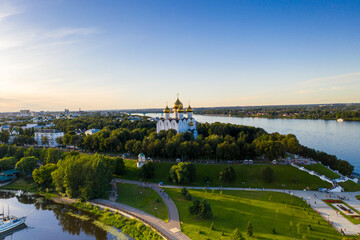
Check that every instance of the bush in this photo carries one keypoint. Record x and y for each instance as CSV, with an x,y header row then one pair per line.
x,y
227,175
268,174
184,191
236,235
147,170
201,209
182,173
188,196
249,229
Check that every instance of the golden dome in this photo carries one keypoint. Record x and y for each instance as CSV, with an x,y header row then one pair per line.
x,y
181,109
177,103
167,109
191,124
189,109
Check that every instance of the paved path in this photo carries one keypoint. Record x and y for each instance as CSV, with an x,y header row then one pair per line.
x,y
174,221
159,225
170,230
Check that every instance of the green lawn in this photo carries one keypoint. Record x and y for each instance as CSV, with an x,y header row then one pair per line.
x,y
266,211
142,198
350,186
21,184
286,177
321,169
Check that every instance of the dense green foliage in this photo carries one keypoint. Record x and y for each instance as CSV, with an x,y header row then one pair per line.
x,y
42,175
201,209
227,175
147,170
131,227
182,173
349,112
332,161
7,163
82,176
26,164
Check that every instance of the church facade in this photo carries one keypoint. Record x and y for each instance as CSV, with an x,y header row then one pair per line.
x,y
178,121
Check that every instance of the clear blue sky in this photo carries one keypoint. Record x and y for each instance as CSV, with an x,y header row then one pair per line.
x,y
139,54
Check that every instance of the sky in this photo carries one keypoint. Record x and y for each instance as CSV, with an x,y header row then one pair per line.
x,y
96,55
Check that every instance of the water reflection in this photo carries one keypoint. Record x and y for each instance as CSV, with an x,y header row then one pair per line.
x,y
50,220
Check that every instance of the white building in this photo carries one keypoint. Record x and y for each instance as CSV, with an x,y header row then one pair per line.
x,y
51,135
178,122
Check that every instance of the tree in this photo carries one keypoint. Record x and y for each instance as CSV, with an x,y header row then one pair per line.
x,y
59,141
44,140
227,175
42,175
183,172
26,164
268,174
4,136
147,170
236,235
201,209
249,229
7,163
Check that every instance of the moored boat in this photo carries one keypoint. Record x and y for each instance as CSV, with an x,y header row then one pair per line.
x,y
10,222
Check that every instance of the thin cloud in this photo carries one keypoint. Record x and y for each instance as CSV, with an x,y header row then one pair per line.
x,y
70,32
349,77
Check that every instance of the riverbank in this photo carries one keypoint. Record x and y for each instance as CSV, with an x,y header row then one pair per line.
x,y
129,226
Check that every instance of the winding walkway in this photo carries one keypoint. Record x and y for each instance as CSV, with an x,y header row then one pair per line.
x,y
170,230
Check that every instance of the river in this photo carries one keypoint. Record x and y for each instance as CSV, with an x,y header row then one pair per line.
x,y
53,221
338,138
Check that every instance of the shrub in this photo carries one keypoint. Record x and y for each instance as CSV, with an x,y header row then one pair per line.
x,y
227,175
182,173
268,174
249,229
201,209
147,170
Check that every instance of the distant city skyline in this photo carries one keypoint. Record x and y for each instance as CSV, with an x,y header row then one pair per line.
x,y
98,55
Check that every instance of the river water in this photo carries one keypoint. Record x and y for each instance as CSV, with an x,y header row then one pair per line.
x,y
338,138
52,221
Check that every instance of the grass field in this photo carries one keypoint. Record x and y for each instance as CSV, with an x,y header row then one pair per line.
x,y
289,216
321,169
142,198
286,177
350,186
21,184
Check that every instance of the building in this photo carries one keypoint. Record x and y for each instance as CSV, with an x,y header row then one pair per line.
x,y
178,121
51,135
141,160
91,131
9,175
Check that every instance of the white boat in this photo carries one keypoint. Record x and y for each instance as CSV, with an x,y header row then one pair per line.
x,y
340,120
10,222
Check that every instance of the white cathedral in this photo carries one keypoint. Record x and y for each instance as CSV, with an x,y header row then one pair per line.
x,y
178,122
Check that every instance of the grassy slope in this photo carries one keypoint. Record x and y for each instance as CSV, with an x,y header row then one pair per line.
x,y
130,194
321,169
21,184
233,209
246,176
350,186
